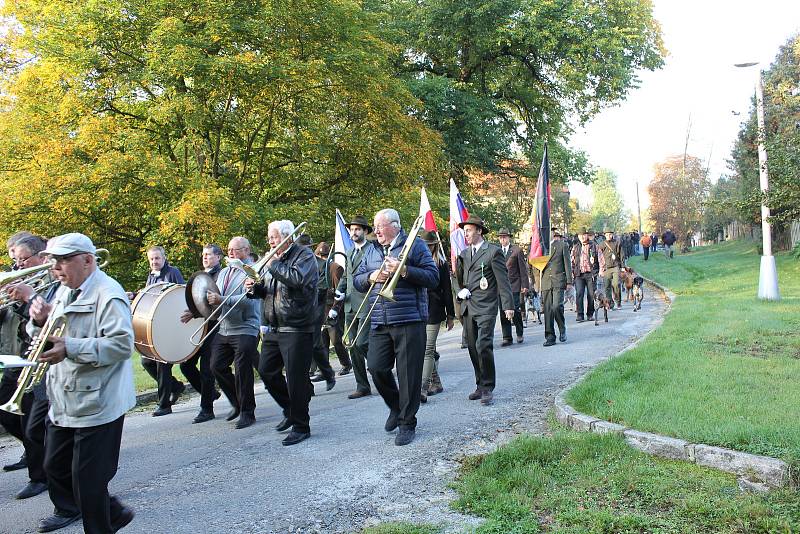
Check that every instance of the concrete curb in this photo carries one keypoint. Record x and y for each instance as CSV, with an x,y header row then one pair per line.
x,y
757,473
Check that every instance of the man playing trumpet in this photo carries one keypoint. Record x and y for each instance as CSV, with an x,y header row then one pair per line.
x,y
397,327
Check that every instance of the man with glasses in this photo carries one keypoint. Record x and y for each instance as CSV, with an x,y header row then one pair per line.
x,y
236,341
397,328
29,427
90,385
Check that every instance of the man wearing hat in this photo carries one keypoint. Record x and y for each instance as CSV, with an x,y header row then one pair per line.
x,y
349,298
613,260
483,281
556,276
90,386
585,267
518,278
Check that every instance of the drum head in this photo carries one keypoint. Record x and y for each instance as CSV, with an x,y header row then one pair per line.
x,y
168,335
196,293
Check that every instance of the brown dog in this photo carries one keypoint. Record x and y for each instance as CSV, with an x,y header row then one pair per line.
x,y
626,278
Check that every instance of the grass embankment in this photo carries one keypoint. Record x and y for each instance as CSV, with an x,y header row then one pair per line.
x,y
723,369
575,482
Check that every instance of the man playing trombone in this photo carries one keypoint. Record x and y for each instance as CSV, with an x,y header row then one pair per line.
x,y
396,272
289,290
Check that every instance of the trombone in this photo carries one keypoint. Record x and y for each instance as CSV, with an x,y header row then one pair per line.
x,y
251,271
387,291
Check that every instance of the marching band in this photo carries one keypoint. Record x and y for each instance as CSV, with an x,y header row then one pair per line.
x,y
73,329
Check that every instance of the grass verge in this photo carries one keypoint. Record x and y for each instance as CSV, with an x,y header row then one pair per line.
x,y
401,528
724,367
578,482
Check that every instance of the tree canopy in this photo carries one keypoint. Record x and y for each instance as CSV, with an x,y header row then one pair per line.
x,y
678,193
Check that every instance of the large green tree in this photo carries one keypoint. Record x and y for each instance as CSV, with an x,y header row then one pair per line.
x,y
608,209
678,193
182,122
494,71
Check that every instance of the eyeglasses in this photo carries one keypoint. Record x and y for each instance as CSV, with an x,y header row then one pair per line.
x,y
64,259
235,249
382,226
20,261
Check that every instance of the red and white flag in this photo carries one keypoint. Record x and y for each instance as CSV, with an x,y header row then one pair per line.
x,y
426,213
458,214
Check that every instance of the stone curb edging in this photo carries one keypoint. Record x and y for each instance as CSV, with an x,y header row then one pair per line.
x,y
757,473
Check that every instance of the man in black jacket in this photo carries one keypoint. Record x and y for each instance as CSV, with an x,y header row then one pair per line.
x,y
613,260
289,290
202,380
556,277
517,266
585,266
169,388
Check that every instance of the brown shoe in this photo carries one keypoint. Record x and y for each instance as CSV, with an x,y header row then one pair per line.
x,y
357,394
436,384
475,395
487,398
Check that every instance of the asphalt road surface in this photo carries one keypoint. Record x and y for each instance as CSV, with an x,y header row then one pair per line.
x,y
210,478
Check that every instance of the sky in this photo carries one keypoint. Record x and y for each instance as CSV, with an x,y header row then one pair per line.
x,y
704,38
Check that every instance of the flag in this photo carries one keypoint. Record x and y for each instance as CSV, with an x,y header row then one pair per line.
x,y
342,241
458,214
426,213
540,218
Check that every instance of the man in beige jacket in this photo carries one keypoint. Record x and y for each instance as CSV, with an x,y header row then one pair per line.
x,y
90,386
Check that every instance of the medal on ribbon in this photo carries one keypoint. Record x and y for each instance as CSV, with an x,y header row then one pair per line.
x,y
484,283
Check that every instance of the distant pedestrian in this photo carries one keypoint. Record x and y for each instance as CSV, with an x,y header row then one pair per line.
x,y
669,240
646,242
654,237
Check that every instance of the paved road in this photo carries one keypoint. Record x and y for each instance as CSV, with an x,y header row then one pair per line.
x,y
210,478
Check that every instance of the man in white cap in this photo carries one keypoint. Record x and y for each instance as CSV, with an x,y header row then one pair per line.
x,y
90,386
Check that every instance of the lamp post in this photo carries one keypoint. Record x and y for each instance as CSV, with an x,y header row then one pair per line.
x,y
768,275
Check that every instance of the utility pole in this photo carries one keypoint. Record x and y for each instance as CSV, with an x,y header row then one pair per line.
x,y
639,212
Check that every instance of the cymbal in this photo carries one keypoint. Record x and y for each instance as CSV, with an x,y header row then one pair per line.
x,y
197,289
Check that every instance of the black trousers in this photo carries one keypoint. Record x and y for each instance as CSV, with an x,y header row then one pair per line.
x,y
162,374
479,331
553,308
80,462
8,385
33,422
505,324
646,252
584,283
321,354
402,346
202,379
242,352
290,351
358,353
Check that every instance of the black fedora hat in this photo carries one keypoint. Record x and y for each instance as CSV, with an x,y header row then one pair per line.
x,y
474,220
360,220
430,238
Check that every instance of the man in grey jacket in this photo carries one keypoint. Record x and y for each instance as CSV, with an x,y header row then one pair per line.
x,y
237,338
90,386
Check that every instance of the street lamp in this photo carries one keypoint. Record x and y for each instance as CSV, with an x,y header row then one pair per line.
x,y
768,275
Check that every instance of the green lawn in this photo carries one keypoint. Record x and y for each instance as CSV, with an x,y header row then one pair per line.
x,y
723,369
577,482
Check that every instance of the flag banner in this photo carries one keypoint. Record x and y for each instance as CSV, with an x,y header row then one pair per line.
x,y
458,214
342,241
540,218
426,213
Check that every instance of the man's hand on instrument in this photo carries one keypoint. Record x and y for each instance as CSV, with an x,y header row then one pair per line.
x,y
509,314
20,292
186,316
213,298
378,276
57,352
248,284
391,264
39,311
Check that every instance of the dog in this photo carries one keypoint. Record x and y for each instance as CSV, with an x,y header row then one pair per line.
x,y
533,306
626,277
600,302
638,292
569,297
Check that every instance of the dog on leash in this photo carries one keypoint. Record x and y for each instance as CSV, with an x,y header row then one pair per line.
x,y
600,302
569,298
638,292
533,306
626,277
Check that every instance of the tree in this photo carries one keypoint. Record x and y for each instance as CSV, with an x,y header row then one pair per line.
x,y
181,122
608,209
678,192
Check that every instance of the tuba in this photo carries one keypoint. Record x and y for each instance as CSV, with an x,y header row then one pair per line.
x,y
387,291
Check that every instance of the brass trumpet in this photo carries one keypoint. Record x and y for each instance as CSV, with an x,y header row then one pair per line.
x,y
387,291
32,375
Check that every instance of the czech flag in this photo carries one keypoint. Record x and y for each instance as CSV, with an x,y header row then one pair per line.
x,y
540,218
458,214
342,241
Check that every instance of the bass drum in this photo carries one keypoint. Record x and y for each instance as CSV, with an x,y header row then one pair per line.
x,y
158,331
